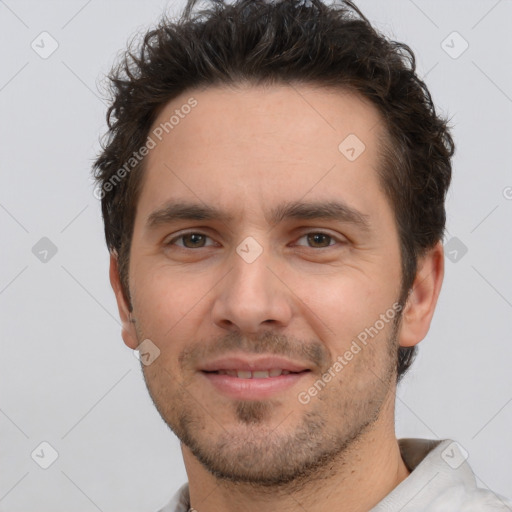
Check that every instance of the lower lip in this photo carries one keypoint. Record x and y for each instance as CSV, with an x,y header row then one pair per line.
x,y
247,389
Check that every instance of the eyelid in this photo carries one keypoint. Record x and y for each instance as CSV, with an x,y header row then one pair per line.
x,y
177,236
340,239
181,234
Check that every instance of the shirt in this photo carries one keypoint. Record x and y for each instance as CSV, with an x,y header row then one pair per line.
x,y
441,480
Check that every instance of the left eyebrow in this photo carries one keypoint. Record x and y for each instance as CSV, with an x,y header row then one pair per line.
x,y
330,210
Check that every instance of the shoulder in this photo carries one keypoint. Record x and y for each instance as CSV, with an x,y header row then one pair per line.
x,y
475,500
441,480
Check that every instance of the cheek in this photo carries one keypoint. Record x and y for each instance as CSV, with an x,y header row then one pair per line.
x,y
344,306
164,299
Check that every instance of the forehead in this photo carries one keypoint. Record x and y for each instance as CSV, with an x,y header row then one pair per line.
x,y
243,148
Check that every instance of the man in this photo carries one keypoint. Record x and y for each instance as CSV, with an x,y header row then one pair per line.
x,y
273,191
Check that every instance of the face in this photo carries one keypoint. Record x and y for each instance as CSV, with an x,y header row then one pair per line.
x,y
255,238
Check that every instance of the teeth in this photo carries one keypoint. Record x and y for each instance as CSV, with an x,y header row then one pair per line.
x,y
260,374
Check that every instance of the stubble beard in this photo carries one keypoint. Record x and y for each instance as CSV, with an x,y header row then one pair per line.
x,y
260,451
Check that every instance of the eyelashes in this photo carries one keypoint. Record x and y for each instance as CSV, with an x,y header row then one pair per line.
x,y
198,240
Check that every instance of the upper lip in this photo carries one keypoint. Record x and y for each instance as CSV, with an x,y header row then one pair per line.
x,y
253,364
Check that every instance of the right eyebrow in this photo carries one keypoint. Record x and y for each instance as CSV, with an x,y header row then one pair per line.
x,y
173,211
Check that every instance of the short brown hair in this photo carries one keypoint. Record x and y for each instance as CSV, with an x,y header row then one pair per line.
x,y
280,42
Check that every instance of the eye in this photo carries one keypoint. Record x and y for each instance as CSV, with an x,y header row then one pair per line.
x,y
318,240
190,240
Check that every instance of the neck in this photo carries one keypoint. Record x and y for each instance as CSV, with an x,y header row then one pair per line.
x,y
364,473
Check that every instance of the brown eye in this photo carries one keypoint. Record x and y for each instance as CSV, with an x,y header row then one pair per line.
x,y
319,240
193,240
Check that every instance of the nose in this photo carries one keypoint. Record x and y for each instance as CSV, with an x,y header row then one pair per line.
x,y
251,298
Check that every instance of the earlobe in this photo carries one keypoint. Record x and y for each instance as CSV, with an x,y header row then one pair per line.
x,y
128,330
422,299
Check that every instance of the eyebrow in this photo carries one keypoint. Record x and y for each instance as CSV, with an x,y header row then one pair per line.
x,y
330,210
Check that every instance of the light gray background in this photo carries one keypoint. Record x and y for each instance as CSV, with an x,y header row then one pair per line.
x,y
68,379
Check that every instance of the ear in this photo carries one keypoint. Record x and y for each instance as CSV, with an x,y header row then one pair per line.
x,y
128,331
421,303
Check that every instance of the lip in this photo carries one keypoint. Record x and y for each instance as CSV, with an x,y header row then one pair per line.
x,y
252,389
254,364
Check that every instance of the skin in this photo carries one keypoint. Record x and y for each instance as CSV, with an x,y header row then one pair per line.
x,y
246,150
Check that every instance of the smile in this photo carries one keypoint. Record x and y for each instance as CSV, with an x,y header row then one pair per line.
x,y
260,374
256,385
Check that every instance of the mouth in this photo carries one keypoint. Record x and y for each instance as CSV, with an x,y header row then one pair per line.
x,y
254,385
259,374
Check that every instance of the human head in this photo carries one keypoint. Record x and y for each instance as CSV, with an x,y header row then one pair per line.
x,y
262,42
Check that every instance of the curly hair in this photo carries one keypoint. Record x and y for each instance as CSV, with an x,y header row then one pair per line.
x,y
281,42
